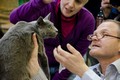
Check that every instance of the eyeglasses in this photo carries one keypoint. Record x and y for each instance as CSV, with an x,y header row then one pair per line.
x,y
90,37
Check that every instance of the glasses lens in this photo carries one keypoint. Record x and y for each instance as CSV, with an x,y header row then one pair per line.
x,y
89,37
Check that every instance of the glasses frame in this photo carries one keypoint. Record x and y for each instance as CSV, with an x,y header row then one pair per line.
x,y
89,37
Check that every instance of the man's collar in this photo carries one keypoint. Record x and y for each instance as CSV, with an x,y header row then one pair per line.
x,y
117,65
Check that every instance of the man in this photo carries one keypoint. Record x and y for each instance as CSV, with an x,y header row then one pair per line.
x,y
111,10
105,47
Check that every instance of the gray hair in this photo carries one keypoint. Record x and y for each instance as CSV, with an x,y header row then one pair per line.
x,y
116,22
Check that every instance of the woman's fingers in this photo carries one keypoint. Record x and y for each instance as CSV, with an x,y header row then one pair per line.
x,y
35,50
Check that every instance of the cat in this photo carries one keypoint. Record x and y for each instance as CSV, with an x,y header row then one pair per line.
x,y
17,44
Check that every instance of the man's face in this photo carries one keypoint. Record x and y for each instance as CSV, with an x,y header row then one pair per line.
x,y
105,47
71,7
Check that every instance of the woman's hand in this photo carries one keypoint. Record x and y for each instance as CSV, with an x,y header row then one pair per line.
x,y
33,66
72,60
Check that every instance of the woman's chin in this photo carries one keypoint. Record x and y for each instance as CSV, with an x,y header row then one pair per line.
x,y
66,14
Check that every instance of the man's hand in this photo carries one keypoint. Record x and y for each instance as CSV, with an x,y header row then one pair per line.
x,y
33,66
72,60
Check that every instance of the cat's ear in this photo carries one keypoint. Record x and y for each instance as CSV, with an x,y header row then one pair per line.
x,y
40,21
48,17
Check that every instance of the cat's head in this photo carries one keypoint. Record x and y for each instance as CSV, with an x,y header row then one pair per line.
x,y
46,27
43,27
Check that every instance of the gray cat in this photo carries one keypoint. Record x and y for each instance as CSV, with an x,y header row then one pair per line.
x,y
16,47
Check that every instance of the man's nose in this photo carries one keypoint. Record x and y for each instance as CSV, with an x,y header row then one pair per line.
x,y
94,38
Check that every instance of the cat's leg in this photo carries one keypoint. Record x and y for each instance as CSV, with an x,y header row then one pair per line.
x,y
43,60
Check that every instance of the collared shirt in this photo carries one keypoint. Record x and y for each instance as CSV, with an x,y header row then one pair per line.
x,y
94,73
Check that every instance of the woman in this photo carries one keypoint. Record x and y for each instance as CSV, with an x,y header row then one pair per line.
x,y
73,21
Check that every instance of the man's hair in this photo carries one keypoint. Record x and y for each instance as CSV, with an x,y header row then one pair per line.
x,y
116,22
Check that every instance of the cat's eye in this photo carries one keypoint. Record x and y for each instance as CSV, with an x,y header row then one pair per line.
x,y
49,25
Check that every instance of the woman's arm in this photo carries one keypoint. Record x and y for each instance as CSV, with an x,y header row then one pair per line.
x,y
30,11
33,67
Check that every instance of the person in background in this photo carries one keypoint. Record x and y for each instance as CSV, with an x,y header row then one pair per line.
x,y
73,21
105,47
94,10
111,8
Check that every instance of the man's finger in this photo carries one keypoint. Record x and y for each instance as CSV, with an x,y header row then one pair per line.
x,y
63,52
58,56
72,49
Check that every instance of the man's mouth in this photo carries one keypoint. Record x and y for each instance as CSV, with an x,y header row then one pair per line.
x,y
95,46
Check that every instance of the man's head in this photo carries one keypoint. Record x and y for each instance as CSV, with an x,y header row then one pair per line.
x,y
106,40
71,7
